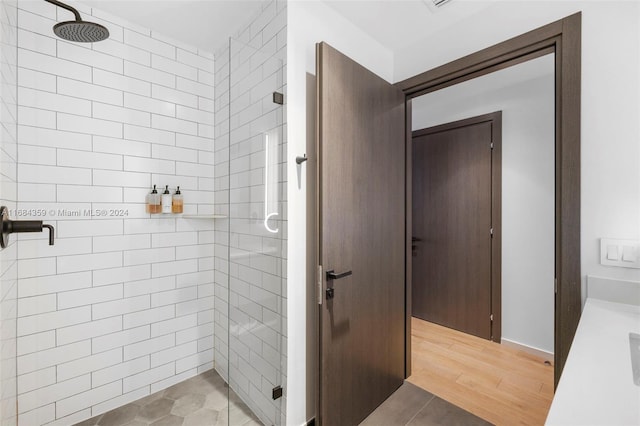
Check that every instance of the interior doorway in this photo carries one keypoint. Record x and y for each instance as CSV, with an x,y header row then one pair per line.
x,y
522,200
562,38
470,372
461,368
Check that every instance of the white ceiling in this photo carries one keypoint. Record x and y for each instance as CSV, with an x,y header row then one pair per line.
x,y
397,24
206,24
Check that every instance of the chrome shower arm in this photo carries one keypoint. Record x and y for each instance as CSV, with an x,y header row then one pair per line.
x,y
66,6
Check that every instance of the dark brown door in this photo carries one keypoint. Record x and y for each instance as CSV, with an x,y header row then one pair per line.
x,y
361,154
452,225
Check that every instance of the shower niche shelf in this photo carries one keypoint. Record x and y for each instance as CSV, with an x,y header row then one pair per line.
x,y
204,216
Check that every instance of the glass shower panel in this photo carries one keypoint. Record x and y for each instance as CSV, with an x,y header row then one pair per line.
x,y
8,198
256,229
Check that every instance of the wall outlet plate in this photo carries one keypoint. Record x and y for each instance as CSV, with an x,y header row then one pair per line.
x,y
620,253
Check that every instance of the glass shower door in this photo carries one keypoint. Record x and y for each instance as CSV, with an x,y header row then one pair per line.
x,y
250,172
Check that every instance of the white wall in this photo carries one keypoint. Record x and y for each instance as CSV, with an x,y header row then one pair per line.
x,y
8,187
525,95
121,306
610,157
310,22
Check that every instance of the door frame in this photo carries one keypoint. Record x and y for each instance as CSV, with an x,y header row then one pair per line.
x,y
495,118
563,39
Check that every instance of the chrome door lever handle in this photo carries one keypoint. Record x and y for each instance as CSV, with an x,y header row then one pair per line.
x,y
331,275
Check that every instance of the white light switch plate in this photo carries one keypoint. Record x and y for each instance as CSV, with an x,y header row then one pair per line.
x,y
622,253
629,254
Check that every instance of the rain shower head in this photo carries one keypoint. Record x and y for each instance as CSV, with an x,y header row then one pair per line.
x,y
81,31
78,30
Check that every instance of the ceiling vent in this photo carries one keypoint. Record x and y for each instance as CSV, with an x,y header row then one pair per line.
x,y
433,5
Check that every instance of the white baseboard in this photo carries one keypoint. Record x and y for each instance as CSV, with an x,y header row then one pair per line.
x,y
547,356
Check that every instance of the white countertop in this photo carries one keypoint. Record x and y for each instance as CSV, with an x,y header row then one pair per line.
x,y
596,386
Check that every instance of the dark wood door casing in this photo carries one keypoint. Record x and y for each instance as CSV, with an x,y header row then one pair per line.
x,y
563,38
361,225
457,223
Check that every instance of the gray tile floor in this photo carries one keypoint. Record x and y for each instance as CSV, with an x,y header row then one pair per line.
x,y
198,401
202,401
412,406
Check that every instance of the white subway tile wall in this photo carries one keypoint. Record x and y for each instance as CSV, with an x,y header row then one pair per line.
x,y
122,305
250,185
8,197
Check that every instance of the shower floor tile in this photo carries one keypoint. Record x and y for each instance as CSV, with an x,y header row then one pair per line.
x,y
198,401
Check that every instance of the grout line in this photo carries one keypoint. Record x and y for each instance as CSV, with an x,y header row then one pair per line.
x,y
420,410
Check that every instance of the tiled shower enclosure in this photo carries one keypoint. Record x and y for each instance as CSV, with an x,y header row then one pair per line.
x,y
127,304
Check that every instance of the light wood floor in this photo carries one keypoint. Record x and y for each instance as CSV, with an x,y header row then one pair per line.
x,y
502,385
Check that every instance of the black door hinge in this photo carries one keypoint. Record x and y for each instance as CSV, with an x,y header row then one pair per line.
x,y
277,392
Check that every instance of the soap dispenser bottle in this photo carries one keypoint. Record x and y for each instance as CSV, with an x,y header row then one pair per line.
x,y
166,200
153,201
177,203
